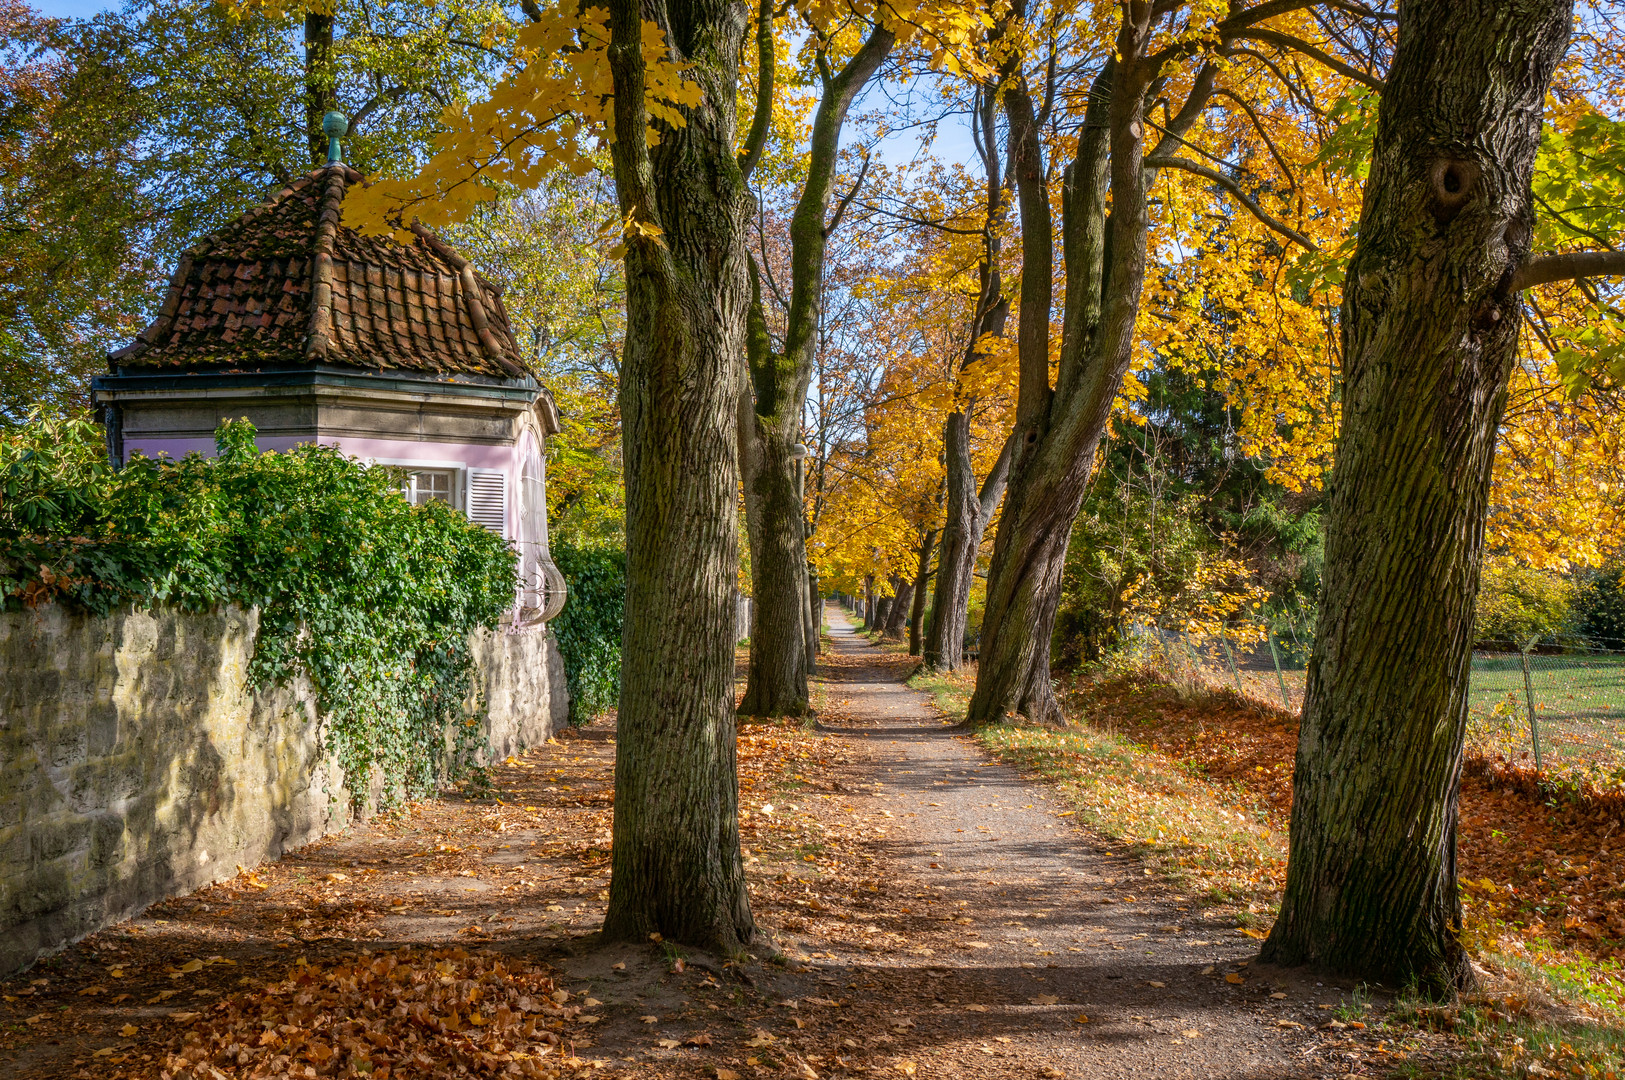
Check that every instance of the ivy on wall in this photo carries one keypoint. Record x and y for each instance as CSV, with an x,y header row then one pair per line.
x,y
369,597
588,630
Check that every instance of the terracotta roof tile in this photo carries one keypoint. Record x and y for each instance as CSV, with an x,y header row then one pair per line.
x,y
288,284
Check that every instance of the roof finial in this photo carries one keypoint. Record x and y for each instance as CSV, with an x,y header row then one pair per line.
x,y
334,125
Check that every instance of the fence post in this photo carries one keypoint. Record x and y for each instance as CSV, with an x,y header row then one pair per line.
x,y
1234,674
1286,700
1529,697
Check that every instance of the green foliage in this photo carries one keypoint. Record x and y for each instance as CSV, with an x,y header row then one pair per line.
x,y
126,137
566,298
1519,605
369,597
1125,542
589,628
1599,606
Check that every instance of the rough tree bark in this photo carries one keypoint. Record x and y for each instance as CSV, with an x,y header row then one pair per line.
x,y
676,867
770,411
1430,329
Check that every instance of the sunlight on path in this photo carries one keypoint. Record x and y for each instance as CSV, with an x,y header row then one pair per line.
x,y
1084,960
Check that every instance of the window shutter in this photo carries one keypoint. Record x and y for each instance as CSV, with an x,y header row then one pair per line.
x,y
488,499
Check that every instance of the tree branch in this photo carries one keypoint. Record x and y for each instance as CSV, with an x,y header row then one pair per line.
x,y
1235,189
840,208
1545,269
751,152
1325,59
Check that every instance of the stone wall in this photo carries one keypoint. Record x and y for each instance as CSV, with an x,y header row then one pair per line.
x,y
136,763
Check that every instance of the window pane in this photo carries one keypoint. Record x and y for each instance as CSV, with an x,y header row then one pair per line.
x,y
431,484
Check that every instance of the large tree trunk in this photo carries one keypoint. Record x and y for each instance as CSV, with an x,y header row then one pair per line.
x,y
1048,474
1104,241
770,415
1430,329
676,866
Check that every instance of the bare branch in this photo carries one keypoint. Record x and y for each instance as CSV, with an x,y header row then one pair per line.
x,y
840,209
1258,126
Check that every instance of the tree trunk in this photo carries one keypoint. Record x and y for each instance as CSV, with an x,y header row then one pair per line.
x,y
903,593
922,575
320,91
967,514
1430,331
676,867
770,416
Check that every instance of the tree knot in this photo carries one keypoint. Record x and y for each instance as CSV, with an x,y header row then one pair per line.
x,y
1453,181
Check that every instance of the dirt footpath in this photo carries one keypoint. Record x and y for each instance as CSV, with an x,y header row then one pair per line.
x,y
925,913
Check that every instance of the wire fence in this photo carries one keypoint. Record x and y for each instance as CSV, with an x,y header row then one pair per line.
x,y
1557,707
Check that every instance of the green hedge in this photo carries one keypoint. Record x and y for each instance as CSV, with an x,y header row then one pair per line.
x,y
370,597
589,628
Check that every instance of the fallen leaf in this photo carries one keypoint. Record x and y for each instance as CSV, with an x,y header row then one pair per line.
x,y
702,1039
127,1030
1080,1019
667,1044
1288,1024
1192,1034
650,1019
1051,1071
1277,997
1158,985
976,1008
106,1051
906,1068
726,1074
1044,999
191,966
1234,978
1208,970
1001,1038
1247,931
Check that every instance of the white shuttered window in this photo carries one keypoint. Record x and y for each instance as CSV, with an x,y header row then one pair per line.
x,y
488,499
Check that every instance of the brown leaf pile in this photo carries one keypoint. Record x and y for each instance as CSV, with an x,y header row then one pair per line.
x,y
404,1013
1542,868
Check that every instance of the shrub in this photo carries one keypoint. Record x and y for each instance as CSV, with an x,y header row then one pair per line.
x,y
1519,605
368,596
1600,608
589,628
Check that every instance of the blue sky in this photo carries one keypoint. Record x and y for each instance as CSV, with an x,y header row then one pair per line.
x,y
70,9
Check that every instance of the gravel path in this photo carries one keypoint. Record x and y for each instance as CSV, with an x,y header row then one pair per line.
x,y
1058,927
